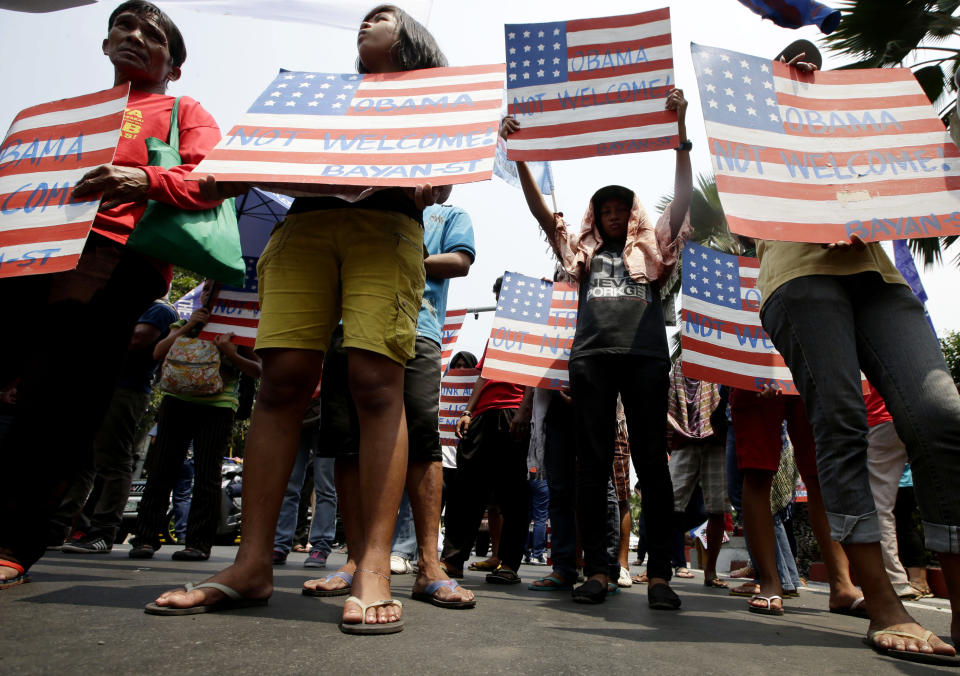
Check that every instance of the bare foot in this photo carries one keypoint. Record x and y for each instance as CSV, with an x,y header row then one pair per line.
x,y
905,643
844,597
371,585
432,572
8,573
249,583
772,604
745,589
332,582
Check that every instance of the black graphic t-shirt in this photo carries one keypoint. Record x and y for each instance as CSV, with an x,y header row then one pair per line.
x,y
618,315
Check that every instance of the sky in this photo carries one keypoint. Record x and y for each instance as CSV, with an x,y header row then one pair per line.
x,y
232,59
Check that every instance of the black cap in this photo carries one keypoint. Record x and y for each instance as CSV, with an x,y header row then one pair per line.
x,y
805,47
610,192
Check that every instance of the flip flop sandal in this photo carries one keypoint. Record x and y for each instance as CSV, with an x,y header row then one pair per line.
x,y
908,655
234,600
683,573
612,589
769,610
503,576
640,578
557,584
661,597
374,628
591,591
856,609
342,591
736,591
22,576
483,565
715,583
427,596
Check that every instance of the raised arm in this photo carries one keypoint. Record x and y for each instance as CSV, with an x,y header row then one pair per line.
x,y
531,192
683,177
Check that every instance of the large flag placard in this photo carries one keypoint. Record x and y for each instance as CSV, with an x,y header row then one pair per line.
x,y
821,157
236,310
437,125
532,332
722,340
452,323
590,87
456,386
44,154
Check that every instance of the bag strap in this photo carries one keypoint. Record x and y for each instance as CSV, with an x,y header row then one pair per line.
x,y
173,138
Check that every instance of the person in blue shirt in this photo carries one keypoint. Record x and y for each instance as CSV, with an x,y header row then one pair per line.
x,y
448,238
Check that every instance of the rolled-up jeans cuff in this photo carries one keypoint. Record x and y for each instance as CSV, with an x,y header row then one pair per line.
x,y
849,529
940,538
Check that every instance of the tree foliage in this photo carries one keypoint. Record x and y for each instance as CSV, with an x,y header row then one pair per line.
x,y
950,344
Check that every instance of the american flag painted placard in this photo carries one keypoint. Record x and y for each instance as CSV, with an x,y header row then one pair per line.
x,y
722,340
590,87
44,154
449,333
437,125
236,310
456,386
821,157
532,332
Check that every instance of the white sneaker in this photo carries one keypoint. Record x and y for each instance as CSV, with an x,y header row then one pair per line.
x,y
400,565
624,579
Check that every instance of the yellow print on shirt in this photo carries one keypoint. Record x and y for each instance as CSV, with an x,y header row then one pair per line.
x,y
132,123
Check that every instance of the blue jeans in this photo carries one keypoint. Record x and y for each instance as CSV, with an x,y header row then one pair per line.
x,y
324,525
181,497
404,533
828,328
786,564
539,505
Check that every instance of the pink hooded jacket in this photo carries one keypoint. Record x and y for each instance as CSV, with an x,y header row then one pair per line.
x,y
648,256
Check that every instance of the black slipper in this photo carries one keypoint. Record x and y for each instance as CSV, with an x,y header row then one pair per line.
x,y
503,576
591,591
661,597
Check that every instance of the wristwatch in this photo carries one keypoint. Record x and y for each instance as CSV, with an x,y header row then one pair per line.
x,y
686,145
466,413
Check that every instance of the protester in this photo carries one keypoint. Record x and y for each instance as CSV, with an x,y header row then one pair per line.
x,y
100,301
833,311
206,420
355,254
620,346
113,447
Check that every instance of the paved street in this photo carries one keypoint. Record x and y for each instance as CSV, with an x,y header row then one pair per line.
x,y
83,614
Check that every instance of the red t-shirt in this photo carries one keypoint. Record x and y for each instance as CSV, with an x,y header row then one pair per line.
x,y
149,115
876,409
496,394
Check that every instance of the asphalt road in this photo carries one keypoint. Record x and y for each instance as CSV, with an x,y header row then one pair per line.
x,y
82,614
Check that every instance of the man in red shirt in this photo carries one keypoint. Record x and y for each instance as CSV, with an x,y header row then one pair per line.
x,y
491,461
99,302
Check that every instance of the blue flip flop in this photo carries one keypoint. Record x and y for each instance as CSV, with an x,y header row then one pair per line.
x,y
427,596
342,591
558,584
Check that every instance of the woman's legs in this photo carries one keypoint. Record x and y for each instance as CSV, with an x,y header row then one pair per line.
x,y
289,379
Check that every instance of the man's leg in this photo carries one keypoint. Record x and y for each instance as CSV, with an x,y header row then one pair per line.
x,y
404,543
713,482
323,528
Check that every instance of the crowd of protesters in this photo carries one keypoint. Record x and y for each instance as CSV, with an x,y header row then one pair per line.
x,y
354,283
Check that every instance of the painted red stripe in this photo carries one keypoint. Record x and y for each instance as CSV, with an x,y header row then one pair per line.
x,y
742,356
57,264
52,233
609,50
588,126
456,88
69,132
737,380
249,131
893,187
618,21
621,71
616,148
590,99
277,182
385,159
239,340
521,379
907,127
723,156
70,162
860,103
448,71
118,92
859,76
459,108
246,322
556,362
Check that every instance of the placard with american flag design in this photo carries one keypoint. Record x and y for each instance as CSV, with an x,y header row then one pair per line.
x,y
456,386
449,333
45,153
236,310
590,87
822,157
532,332
722,340
437,125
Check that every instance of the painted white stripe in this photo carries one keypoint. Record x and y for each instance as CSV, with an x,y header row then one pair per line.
x,y
746,317
652,131
524,369
240,331
603,36
731,341
598,87
69,116
443,81
371,143
856,175
589,113
354,122
50,217
480,167
822,90
66,247
752,370
418,99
